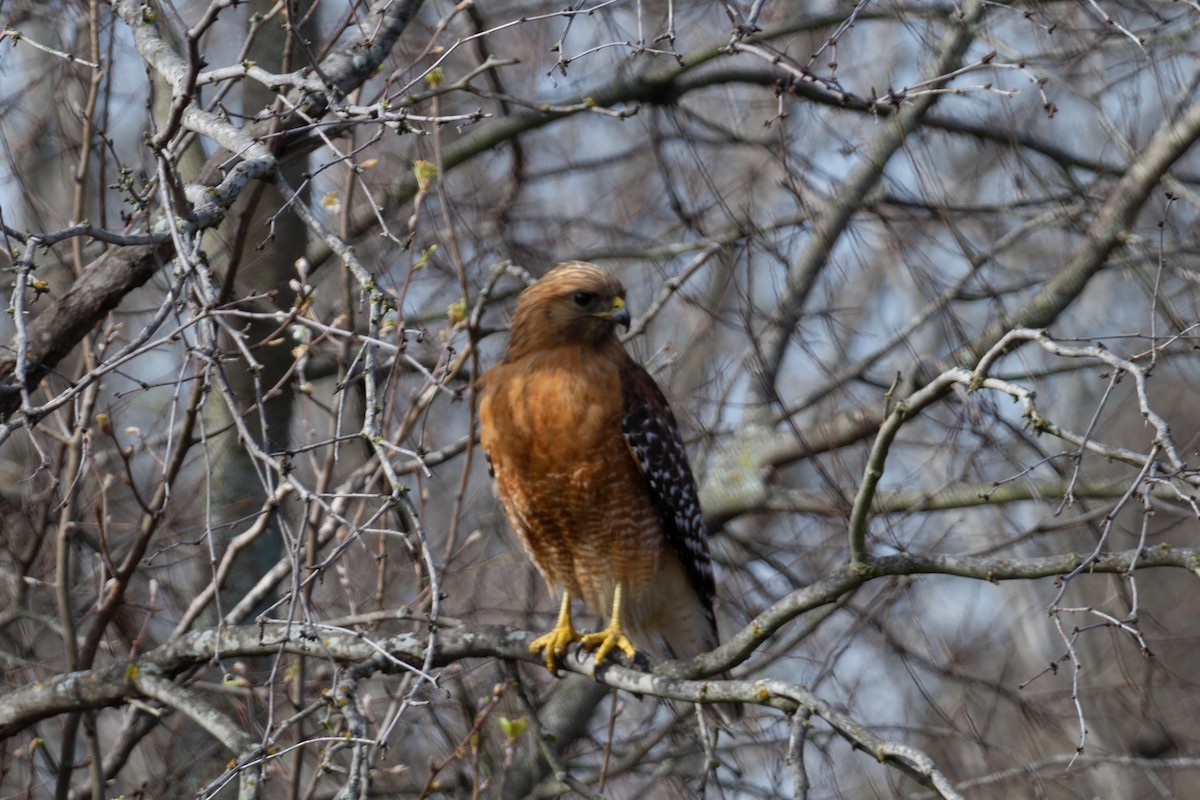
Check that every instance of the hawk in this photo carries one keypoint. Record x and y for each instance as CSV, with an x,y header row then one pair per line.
x,y
590,468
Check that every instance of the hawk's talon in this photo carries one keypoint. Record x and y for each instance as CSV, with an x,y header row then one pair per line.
x,y
554,644
603,642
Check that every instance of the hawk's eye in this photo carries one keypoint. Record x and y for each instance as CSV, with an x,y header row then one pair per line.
x,y
584,299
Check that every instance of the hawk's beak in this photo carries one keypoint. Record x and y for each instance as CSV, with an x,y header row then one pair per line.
x,y
619,313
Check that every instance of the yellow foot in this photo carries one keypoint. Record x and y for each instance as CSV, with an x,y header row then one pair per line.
x,y
604,641
555,643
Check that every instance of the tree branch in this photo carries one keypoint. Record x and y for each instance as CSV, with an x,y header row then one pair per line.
x,y
683,680
106,281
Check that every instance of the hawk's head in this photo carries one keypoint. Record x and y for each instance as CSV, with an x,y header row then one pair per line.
x,y
574,302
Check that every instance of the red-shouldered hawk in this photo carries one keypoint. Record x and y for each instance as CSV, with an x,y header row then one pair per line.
x,y
593,476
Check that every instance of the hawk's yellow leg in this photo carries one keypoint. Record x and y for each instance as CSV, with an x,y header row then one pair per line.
x,y
604,641
554,644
